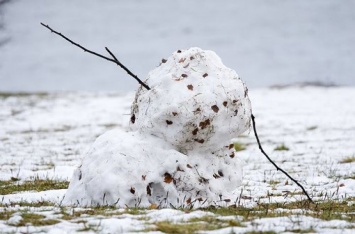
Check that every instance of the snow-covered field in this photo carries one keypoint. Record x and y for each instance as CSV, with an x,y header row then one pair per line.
x,y
43,136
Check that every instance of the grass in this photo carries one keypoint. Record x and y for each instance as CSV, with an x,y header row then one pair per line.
x,y
6,214
22,94
311,128
348,160
205,223
239,146
325,210
35,220
261,232
308,230
40,204
104,211
281,148
221,217
14,186
169,227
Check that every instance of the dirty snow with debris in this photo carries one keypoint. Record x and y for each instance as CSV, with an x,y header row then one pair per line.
x,y
45,136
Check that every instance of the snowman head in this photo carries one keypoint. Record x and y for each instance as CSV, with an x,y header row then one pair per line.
x,y
195,102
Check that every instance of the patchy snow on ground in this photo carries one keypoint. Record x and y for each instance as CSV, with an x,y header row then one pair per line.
x,y
46,136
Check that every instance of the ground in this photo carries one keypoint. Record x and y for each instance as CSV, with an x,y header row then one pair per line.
x,y
308,131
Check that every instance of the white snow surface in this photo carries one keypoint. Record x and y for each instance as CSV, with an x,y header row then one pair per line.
x,y
194,107
47,135
195,103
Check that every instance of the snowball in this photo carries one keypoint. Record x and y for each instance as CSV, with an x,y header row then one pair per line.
x,y
131,169
195,102
178,150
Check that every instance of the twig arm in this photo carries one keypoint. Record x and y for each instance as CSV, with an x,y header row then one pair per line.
x,y
114,60
127,70
78,45
272,162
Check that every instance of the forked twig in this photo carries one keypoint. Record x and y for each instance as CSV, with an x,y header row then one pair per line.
x,y
114,60
272,162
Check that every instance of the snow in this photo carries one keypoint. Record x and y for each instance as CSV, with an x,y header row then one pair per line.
x,y
317,124
194,107
15,219
54,196
194,98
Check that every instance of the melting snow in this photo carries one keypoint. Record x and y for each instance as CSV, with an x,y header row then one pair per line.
x,y
178,152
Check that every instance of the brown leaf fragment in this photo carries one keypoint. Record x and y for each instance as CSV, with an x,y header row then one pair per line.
x,y
174,113
153,206
205,75
188,201
132,190
179,169
143,177
215,108
227,200
202,180
232,155
183,75
197,110
204,124
220,173
182,60
168,178
194,132
231,146
169,122
189,166
216,176
149,191
192,58
186,65
190,87
164,60
225,103
235,101
179,51
133,118
201,141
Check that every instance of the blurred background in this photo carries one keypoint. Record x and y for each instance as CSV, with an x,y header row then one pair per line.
x,y
268,42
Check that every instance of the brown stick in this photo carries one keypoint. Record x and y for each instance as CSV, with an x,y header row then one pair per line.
x,y
277,167
114,60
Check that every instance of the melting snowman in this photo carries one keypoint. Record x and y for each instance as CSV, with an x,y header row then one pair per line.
x,y
177,151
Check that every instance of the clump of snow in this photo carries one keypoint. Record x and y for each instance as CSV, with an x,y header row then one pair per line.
x,y
193,98
177,150
15,219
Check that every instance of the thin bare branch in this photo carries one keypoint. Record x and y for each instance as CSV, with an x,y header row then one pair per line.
x,y
272,162
127,70
114,60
